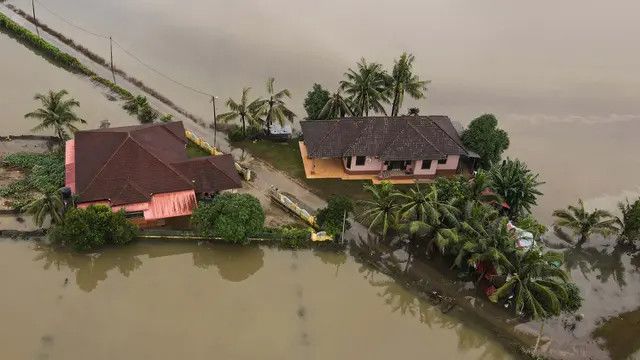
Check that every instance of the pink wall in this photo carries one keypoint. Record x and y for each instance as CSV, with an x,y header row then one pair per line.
x,y
370,164
452,163
417,168
166,205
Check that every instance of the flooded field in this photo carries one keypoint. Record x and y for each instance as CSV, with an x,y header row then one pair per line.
x,y
178,300
563,83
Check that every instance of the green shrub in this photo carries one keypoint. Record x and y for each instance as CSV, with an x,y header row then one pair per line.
x,y
331,217
23,35
44,173
92,228
532,225
233,217
630,220
236,135
452,188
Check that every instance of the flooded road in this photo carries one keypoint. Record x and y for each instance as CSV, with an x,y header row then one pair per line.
x,y
183,300
561,78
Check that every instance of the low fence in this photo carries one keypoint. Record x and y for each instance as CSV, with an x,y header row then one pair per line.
x,y
245,172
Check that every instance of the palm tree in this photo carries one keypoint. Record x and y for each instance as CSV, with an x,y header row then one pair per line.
x,y
480,189
48,205
336,107
539,286
245,110
629,222
276,108
403,80
423,205
517,185
488,243
584,223
367,88
414,111
381,209
57,113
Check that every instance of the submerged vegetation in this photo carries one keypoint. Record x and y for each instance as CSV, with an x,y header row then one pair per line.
x,y
584,223
233,217
44,173
92,228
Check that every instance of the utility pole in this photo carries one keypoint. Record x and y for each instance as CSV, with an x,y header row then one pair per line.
x,y
344,222
113,73
215,121
35,21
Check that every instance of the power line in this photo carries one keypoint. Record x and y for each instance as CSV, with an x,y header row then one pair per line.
x,y
125,51
70,23
159,72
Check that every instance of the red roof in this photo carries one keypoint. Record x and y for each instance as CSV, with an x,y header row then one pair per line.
x,y
129,164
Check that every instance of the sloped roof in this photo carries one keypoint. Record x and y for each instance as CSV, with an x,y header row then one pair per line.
x,y
389,138
129,164
211,173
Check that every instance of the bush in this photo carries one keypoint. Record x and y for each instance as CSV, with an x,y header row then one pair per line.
x,y
233,217
573,302
44,173
331,217
532,225
92,228
236,135
630,220
452,188
289,236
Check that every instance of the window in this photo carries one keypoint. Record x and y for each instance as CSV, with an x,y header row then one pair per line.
x,y
442,161
360,160
348,162
426,165
134,214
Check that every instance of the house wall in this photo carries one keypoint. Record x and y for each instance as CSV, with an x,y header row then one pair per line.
x,y
452,163
371,165
417,167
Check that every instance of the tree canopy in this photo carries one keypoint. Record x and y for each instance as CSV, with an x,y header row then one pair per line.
x,y
275,106
485,138
92,228
367,88
403,80
233,217
517,185
330,218
315,101
57,113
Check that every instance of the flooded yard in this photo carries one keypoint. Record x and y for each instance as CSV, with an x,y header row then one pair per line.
x,y
566,93
183,300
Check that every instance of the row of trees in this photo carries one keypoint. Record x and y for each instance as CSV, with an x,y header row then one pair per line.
x,y
584,223
466,221
259,112
367,89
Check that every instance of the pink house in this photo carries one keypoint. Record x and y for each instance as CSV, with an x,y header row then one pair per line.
x,y
404,148
144,170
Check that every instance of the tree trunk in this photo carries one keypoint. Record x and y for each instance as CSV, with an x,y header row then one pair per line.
x,y
395,108
535,349
244,130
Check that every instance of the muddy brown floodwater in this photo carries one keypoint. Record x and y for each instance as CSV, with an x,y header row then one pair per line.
x,y
561,77
183,300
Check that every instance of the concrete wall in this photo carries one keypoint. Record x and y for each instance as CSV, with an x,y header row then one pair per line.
x,y
452,163
417,167
371,165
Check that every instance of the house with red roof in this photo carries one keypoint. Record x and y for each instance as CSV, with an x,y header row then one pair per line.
x,y
400,149
144,170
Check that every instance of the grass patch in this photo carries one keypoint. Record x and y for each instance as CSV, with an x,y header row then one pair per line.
x,y
285,156
195,151
44,173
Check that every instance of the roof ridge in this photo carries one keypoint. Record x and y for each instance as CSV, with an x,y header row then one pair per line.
x,y
166,128
160,161
217,167
358,138
424,137
447,133
106,163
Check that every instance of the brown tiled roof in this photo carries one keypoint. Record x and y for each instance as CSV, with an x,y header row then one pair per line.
x,y
211,173
129,164
389,138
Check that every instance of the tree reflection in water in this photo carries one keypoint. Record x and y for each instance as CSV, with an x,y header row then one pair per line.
x,y
234,263
331,257
601,263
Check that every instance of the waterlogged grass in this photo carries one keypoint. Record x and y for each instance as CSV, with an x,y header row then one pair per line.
x,y
195,151
44,173
285,156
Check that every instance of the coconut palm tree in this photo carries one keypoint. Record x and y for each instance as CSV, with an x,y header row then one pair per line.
x,y
422,204
584,223
336,107
517,185
276,108
538,284
403,80
48,205
244,109
57,113
629,222
367,88
486,242
414,111
380,211
480,189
